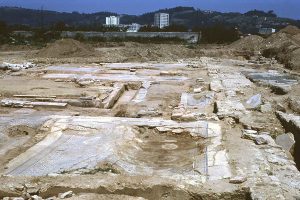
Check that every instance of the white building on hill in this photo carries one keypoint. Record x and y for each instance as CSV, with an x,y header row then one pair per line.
x,y
161,20
112,21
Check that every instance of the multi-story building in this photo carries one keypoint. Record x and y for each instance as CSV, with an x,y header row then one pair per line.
x,y
161,20
112,21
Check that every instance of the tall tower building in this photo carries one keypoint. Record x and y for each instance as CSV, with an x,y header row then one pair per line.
x,y
161,20
113,21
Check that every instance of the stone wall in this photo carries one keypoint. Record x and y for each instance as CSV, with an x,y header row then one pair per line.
x,y
190,37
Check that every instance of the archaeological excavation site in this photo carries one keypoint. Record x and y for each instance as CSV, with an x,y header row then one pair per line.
x,y
150,121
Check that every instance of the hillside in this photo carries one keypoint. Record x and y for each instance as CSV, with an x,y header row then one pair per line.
x,y
248,22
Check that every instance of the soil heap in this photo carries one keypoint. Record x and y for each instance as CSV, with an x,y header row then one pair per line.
x,y
66,48
283,45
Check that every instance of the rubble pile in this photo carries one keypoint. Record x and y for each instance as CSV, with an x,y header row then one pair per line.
x,y
16,67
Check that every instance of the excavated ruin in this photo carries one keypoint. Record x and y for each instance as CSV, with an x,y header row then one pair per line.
x,y
202,128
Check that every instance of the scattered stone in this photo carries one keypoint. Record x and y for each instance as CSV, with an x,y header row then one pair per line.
x,y
266,108
65,195
169,73
200,80
294,104
163,129
247,131
238,179
198,90
35,197
229,108
287,141
51,198
254,102
16,67
280,107
259,139
263,139
230,93
216,86
178,131
149,113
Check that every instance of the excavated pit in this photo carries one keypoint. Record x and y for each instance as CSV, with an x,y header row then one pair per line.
x,y
136,147
164,152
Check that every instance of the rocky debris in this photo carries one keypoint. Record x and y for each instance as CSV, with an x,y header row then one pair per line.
x,y
266,108
65,195
149,113
36,197
163,129
16,67
259,139
198,90
287,141
181,114
260,60
216,86
199,80
229,108
294,104
254,102
83,83
280,107
263,122
238,179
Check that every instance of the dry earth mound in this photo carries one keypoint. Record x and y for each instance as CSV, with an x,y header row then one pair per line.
x,y
66,48
252,42
283,45
291,30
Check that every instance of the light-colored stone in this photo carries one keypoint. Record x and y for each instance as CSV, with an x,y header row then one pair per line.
x,y
294,104
198,90
254,101
287,141
36,197
266,108
216,86
65,195
163,129
238,179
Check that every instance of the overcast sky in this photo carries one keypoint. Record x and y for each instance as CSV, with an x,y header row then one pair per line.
x,y
284,8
